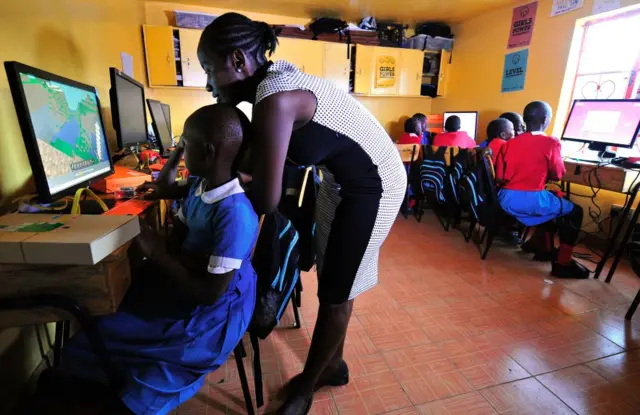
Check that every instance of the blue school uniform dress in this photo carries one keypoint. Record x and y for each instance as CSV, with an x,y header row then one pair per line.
x,y
165,348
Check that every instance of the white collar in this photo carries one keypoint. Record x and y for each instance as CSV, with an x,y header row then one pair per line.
x,y
537,132
221,192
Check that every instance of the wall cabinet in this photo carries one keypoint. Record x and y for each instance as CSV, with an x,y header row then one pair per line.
x,y
192,73
172,60
160,55
411,63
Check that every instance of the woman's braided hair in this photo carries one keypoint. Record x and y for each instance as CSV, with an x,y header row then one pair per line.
x,y
234,31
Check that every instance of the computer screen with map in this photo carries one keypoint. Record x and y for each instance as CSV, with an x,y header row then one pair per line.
x,y
62,128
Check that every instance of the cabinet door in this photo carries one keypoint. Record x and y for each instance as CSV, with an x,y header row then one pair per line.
x,y
192,72
161,58
336,64
288,50
411,72
312,57
386,58
443,76
364,69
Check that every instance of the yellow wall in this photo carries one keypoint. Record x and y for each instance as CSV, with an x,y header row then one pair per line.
x,y
478,60
78,39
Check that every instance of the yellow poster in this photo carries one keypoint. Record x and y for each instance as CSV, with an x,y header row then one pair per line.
x,y
385,71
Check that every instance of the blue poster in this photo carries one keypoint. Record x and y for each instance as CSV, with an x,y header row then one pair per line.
x,y
515,71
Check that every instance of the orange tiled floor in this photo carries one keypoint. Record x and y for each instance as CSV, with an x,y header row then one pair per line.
x,y
447,333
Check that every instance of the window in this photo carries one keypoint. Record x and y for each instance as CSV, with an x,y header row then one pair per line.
x,y
606,65
609,59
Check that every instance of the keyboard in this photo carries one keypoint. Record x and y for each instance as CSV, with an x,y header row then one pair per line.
x,y
131,207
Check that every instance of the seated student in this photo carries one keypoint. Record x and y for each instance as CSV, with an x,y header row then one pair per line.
x,y
499,131
187,307
523,166
412,132
453,137
516,120
423,123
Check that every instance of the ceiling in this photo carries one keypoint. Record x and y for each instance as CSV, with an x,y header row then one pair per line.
x,y
405,11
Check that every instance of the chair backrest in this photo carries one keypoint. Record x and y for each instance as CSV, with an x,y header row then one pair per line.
x,y
408,152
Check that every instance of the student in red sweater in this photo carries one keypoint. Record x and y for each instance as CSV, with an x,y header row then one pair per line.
x,y
516,120
453,137
412,132
499,131
523,166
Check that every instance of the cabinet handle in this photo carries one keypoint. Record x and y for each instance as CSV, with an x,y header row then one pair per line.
x,y
189,62
417,76
303,68
168,58
359,72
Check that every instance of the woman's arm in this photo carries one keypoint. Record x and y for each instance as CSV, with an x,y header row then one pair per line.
x,y
272,125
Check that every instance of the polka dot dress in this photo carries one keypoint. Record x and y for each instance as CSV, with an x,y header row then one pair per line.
x,y
364,181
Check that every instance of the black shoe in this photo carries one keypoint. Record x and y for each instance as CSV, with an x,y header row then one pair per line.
x,y
546,256
528,247
339,378
573,270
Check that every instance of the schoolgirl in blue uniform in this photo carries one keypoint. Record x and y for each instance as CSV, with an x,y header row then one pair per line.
x,y
191,304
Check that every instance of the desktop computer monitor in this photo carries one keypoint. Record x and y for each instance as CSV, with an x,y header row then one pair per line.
x,y
160,126
62,128
128,109
602,123
468,121
166,109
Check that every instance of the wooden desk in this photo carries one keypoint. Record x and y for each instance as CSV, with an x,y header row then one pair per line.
x,y
612,178
98,288
615,179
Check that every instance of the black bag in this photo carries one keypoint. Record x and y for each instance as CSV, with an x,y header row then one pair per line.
x,y
433,173
434,29
327,25
391,34
275,261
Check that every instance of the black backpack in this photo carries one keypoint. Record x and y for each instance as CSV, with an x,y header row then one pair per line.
x,y
478,193
275,260
433,173
459,163
327,25
298,203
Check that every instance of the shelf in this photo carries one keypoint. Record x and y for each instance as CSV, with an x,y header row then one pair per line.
x,y
387,96
189,88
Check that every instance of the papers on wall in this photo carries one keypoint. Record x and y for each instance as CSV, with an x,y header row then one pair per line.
x,y
127,63
602,6
522,22
565,6
515,71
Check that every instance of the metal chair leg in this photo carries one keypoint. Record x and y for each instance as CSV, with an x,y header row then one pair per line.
x,y
633,307
296,313
299,293
239,350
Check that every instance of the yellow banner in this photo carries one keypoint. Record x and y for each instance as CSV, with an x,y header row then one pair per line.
x,y
385,71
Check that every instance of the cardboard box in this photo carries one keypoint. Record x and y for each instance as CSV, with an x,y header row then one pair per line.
x,y
63,239
123,177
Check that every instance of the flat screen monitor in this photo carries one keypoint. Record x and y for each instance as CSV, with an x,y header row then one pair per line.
x,y
468,121
160,126
166,109
63,130
128,109
607,122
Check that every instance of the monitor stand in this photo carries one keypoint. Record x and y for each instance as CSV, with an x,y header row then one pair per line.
x,y
603,150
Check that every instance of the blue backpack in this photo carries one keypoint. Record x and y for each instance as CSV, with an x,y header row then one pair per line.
x,y
478,192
